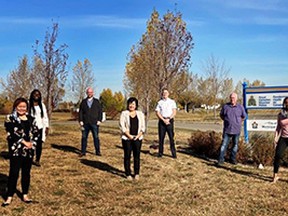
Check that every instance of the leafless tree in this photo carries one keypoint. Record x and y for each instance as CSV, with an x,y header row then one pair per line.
x,y
82,78
54,71
216,73
18,83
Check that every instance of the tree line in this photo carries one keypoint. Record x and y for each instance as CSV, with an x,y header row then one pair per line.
x,y
161,59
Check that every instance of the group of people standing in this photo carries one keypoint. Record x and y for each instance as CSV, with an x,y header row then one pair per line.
x,y
26,127
233,115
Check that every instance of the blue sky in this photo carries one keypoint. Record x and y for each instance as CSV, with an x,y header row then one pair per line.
x,y
251,36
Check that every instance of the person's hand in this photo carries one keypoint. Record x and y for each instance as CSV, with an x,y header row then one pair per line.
x,y
47,131
98,123
81,123
167,121
27,144
275,144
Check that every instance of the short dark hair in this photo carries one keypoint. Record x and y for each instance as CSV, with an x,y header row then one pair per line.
x,y
18,101
164,89
131,100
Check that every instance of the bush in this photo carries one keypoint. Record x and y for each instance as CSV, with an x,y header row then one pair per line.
x,y
259,150
262,149
206,143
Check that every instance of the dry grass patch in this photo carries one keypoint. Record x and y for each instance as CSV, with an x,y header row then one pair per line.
x,y
69,185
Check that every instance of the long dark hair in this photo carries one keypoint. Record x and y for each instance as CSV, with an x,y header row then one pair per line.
x,y
283,104
31,102
18,101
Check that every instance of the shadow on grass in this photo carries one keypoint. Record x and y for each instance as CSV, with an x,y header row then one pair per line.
x,y
142,151
104,167
232,168
5,155
66,148
3,184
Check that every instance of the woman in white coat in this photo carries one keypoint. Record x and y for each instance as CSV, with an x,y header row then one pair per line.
x,y
38,110
132,125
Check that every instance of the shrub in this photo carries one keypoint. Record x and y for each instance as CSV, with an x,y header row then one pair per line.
x,y
262,149
205,143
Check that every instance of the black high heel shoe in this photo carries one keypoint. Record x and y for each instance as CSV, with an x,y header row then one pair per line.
x,y
7,202
26,199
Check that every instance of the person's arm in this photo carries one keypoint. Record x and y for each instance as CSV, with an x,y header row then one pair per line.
x,y
141,125
45,120
100,113
123,127
277,133
174,111
81,114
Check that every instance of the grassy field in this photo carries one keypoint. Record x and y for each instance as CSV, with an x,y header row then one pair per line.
x,y
190,185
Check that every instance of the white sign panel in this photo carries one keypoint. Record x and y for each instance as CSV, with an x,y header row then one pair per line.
x,y
261,125
265,100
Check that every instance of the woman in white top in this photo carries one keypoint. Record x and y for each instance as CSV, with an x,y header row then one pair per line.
x,y
38,110
132,125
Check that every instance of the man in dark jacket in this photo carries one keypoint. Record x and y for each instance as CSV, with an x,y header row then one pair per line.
x,y
90,117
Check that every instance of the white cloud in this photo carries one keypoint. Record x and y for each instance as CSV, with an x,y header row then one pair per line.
x,y
78,21
257,21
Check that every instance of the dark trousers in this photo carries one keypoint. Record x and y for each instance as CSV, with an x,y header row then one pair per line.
x,y
17,163
39,146
280,150
94,129
162,129
128,147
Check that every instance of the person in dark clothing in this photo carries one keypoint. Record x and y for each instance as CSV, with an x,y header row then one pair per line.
x,y
90,117
22,136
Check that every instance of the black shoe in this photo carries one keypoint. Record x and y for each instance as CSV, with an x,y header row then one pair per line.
x,y
159,155
234,162
37,163
98,154
5,204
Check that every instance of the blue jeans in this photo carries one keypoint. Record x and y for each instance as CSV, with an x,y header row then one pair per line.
x,y
225,143
94,129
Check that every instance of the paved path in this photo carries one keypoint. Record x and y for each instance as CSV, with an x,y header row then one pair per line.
x,y
179,125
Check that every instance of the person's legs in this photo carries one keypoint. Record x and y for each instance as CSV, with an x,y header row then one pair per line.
x,y
127,156
39,147
223,148
25,179
161,134
279,152
235,141
170,131
136,146
95,131
85,133
15,164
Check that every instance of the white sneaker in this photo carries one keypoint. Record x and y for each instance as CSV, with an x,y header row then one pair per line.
x,y
129,178
137,177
